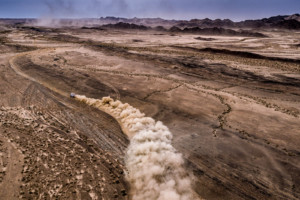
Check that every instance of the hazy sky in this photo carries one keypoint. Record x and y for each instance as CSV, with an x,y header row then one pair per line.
x,y
170,9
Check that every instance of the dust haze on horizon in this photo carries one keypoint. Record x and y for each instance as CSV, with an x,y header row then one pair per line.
x,y
169,9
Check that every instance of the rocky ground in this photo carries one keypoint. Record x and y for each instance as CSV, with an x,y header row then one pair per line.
x,y
234,115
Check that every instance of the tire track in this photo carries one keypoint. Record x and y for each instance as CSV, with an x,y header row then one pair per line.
x,y
12,178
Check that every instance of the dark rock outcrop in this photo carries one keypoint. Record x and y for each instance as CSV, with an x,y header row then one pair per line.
x,y
122,25
217,31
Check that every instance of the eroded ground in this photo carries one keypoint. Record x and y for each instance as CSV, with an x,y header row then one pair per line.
x,y
234,115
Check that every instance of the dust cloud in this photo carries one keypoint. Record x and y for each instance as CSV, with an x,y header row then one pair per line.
x,y
154,168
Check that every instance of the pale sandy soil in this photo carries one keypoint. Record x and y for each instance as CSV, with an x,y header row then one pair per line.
x,y
235,119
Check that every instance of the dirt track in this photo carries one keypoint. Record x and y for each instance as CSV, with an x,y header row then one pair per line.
x,y
235,119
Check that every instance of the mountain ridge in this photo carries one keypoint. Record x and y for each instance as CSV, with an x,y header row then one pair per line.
x,y
280,21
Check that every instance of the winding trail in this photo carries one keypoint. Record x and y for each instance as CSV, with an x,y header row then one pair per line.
x,y
221,95
189,85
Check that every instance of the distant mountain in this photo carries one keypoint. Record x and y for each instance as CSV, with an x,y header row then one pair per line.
x,y
139,21
206,23
293,17
283,22
291,22
194,30
122,25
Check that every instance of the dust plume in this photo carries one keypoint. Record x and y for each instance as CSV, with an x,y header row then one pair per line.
x,y
155,169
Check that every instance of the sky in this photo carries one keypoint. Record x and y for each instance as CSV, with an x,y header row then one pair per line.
x,y
236,10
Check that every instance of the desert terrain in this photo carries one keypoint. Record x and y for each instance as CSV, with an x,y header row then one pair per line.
x,y
232,104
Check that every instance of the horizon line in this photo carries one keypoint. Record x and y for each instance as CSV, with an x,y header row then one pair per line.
x,y
75,18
